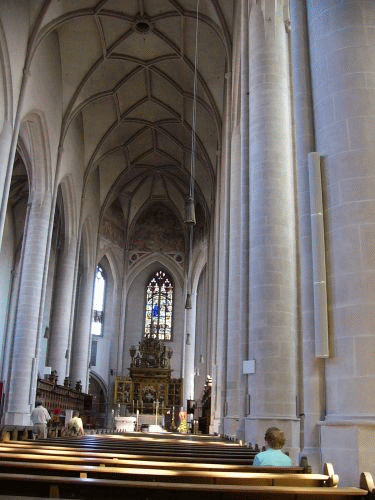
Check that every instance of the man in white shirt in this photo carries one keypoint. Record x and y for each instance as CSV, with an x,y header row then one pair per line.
x,y
40,417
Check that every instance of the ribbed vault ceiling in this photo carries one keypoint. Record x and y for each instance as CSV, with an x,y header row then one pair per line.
x,y
128,81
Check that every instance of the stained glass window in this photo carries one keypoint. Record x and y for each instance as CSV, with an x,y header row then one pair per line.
x,y
98,304
159,304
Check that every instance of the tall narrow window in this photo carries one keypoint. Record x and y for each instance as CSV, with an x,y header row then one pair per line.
x,y
159,305
98,304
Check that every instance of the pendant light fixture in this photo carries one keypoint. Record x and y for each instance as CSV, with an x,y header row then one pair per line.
x,y
190,220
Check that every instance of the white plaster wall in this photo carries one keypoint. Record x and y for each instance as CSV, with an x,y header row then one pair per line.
x,y
72,158
43,91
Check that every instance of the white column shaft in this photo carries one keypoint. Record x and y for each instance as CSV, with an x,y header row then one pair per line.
x,y
272,238
221,273
82,335
5,147
24,363
62,312
310,371
238,296
188,387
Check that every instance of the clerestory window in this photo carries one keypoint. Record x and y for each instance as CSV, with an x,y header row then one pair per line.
x,y
159,306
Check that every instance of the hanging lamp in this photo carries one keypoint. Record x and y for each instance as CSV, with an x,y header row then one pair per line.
x,y
189,219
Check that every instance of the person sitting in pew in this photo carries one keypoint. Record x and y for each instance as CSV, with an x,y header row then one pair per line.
x,y
275,440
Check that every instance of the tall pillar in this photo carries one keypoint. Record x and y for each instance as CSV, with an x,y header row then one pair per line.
x,y
24,361
189,351
62,311
343,67
272,387
5,171
80,348
311,369
218,370
238,279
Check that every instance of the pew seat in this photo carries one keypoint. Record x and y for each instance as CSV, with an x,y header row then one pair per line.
x,y
167,474
96,489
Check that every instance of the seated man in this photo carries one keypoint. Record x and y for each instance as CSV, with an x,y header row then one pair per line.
x,y
273,455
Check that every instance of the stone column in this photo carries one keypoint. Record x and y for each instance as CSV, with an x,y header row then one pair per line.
x,y
272,230
343,67
311,370
24,361
62,311
238,279
219,349
5,171
80,348
189,348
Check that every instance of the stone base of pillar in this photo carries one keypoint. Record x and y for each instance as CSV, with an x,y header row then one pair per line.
x,y
17,418
234,428
349,446
313,458
217,427
255,429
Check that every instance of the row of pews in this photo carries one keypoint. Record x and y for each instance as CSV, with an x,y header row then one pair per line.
x,y
145,466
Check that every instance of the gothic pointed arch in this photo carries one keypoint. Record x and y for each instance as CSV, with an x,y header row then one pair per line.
x,y
99,392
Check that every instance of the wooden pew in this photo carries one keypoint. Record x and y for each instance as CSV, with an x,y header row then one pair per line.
x,y
114,448
170,473
154,446
86,458
94,481
165,473
42,453
97,489
366,482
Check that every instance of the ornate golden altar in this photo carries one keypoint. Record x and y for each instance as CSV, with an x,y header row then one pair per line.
x,y
149,387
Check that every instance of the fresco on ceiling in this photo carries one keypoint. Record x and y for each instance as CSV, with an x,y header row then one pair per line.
x,y
158,230
110,231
